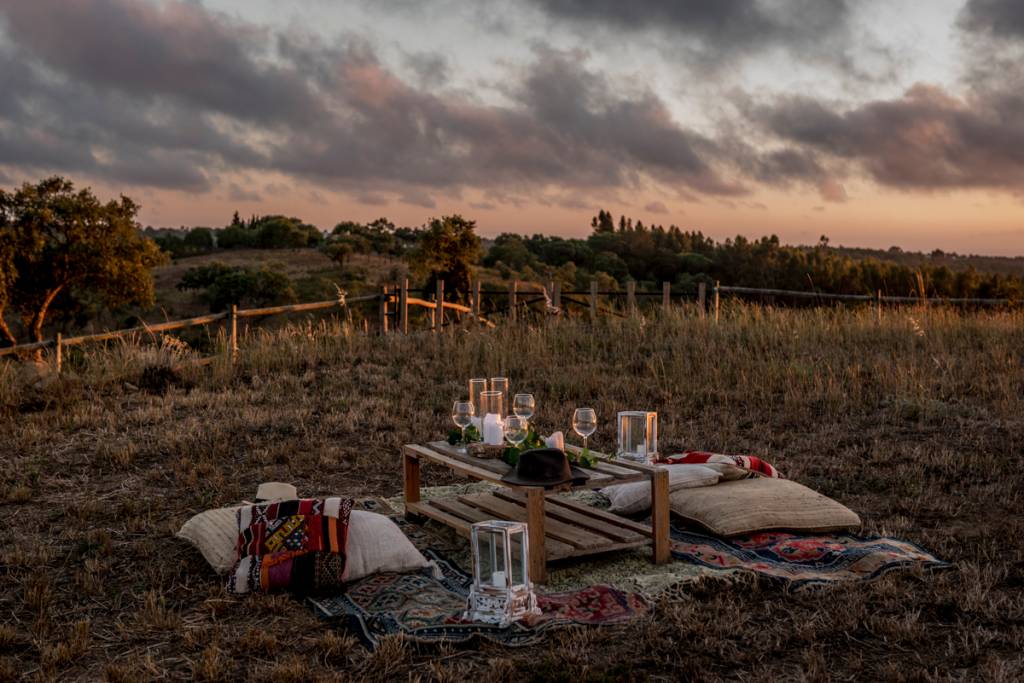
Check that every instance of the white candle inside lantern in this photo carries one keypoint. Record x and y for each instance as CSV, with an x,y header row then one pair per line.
x,y
499,579
492,430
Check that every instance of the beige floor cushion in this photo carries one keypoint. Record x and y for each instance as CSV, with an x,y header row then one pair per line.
x,y
762,504
634,498
375,543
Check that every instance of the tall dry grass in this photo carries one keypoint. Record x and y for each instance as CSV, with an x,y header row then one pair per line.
x,y
916,423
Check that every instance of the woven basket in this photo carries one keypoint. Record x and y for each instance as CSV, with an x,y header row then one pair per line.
x,y
481,450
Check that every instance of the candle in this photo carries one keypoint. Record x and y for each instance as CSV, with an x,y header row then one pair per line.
x,y
499,579
492,431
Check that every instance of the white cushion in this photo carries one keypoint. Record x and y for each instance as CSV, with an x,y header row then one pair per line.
x,y
633,498
214,533
375,543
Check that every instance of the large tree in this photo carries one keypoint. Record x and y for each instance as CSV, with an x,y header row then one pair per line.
x,y
448,249
57,244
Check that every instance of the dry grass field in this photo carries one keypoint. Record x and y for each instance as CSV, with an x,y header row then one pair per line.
x,y
917,424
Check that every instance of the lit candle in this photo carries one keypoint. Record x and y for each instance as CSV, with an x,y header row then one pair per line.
x,y
492,430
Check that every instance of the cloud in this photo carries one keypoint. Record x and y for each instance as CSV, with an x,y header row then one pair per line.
x,y
831,190
926,140
655,207
716,31
167,94
237,193
1001,18
171,95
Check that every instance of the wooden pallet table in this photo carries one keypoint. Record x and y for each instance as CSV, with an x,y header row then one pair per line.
x,y
558,528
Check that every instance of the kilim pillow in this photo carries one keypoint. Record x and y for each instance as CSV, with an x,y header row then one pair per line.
x,y
295,545
762,504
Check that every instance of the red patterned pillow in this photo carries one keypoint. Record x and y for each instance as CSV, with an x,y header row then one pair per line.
x,y
294,545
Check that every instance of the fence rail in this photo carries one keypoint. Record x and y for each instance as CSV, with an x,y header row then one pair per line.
x,y
521,296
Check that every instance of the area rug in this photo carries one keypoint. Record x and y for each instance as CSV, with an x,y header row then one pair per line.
x,y
427,609
802,561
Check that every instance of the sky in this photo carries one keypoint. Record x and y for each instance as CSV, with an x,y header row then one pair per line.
x,y
876,122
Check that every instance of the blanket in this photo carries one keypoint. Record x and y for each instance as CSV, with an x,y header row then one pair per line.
x,y
425,608
749,465
803,560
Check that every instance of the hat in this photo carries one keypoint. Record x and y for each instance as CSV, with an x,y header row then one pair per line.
x,y
275,490
545,467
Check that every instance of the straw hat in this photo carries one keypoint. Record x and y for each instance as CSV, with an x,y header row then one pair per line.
x,y
275,490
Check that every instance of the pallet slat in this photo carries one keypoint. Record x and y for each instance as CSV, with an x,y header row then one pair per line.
x,y
618,533
553,528
467,514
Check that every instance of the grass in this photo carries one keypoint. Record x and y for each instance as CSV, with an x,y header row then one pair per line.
x,y
917,424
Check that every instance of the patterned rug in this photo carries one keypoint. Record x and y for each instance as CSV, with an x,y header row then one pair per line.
x,y
802,561
427,609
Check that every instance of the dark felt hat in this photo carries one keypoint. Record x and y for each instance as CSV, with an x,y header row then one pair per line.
x,y
545,467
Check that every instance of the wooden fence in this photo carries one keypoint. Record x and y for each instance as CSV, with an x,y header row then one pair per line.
x,y
394,302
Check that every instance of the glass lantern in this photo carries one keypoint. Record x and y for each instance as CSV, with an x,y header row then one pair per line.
x,y
638,436
502,591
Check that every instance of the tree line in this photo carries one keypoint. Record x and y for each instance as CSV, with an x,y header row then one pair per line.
x,y
66,256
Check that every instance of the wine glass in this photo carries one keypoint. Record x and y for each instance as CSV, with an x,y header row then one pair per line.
x,y
584,423
462,416
523,405
516,429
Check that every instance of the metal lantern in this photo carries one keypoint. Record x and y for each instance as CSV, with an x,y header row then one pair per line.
x,y
502,591
638,436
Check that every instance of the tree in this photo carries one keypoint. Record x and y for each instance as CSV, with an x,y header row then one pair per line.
x,y
223,285
448,249
60,244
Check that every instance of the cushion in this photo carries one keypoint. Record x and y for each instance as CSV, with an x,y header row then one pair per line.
x,y
296,545
762,504
375,543
635,497
214,533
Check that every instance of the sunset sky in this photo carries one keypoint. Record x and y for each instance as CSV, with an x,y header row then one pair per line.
x,y
876,122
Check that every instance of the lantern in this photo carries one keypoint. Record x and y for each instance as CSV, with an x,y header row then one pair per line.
x,y
638,436
502,591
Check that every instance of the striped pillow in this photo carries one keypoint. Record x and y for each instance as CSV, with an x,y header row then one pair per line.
x,y
295,545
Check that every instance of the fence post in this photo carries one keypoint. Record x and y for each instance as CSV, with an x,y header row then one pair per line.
x,y
231,334
513,288
716,300
384,294
556,296
439,308
666,295
878,307
403,307
475,304
593,301
631,297
702,300
58,356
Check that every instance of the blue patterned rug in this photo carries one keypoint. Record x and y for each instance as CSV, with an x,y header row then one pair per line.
x,y
427,609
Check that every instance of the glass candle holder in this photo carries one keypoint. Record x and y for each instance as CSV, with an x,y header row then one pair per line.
x,y
492,419
637,436
477,386
501,384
